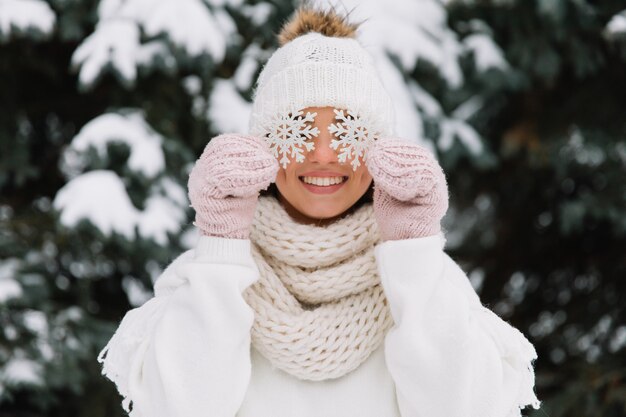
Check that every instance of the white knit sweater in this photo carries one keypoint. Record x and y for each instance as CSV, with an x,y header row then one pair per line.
x,y
447,356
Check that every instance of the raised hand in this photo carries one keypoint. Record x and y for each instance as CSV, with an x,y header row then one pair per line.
x,y
410,189
225,182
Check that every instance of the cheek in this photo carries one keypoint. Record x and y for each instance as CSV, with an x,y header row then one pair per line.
x,y
362,176
280,177
361,169
285,177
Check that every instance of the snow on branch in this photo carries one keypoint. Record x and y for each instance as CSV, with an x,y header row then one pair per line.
x,y
100,195
29,18
146,155
189,27
617,25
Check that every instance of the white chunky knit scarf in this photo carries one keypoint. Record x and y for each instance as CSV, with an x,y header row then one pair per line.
x,y
320,310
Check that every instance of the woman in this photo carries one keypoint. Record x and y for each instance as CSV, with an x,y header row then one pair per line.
x,y
315,299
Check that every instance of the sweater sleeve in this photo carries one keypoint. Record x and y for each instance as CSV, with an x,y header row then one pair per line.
x,y
448,355
186,351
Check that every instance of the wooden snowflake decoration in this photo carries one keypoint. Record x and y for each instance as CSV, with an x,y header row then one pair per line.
x,y
355,136
289,134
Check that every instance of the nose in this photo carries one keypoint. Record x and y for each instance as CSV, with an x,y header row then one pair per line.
x,y
322,152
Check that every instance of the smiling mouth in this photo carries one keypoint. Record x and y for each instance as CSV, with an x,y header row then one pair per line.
x,y
323,181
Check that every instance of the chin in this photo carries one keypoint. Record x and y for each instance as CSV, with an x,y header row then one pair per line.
x,y
323,210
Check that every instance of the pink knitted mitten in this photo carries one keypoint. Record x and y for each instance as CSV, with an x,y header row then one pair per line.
x,y
225,182
410,190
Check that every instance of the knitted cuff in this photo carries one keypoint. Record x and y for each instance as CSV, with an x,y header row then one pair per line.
x,y
214,249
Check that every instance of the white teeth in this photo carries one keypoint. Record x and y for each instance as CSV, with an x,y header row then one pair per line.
x,y
323,181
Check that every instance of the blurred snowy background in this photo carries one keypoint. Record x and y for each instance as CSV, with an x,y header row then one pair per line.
x,y
105,105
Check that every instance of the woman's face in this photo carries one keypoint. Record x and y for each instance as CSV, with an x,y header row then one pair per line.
x,y
321,204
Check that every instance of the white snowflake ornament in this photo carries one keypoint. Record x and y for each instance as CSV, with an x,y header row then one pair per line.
x,y
355,133
288,133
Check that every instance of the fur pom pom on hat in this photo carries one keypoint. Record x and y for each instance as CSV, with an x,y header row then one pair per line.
x,y
319,63
307,20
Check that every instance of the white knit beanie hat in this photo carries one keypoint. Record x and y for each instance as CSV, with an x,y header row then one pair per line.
x,y
318,70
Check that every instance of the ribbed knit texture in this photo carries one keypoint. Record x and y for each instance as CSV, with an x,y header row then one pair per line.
x,y
410,189
318,70
320,310
222,250
225,182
